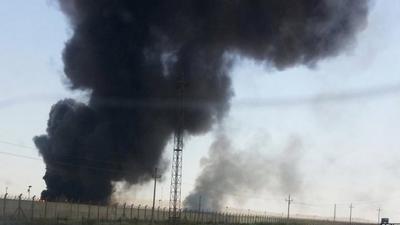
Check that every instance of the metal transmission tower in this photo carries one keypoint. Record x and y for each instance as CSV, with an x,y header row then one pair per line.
x,y
176,175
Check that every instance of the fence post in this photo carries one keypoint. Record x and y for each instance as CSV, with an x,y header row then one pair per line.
x,y
78,213
145,212
19,205
45,208
70,209
55,209
116,211
131,211
4,205
32,206
191,215
199,216
158,213
88,216
98,212
107,212
214,217
163,214
138,212
123,211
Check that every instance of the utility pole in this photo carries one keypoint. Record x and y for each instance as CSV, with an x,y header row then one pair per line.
x,y
289,201
351,210
334,212
379,215
155,176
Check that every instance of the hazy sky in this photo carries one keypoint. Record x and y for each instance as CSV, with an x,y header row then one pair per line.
x,y
350,147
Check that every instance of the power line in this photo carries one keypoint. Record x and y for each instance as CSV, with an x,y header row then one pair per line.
x,y
338,96
20,156
74,158
342,96
66,164
16,145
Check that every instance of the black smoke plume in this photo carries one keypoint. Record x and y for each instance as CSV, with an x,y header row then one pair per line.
x,y
131,56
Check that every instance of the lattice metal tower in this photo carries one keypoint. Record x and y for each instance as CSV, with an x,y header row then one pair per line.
x,y
176,175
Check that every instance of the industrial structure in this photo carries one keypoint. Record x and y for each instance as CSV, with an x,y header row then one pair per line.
x,y
176,172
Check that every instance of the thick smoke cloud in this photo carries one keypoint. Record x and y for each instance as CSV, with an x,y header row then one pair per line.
x,y
131,56
228,172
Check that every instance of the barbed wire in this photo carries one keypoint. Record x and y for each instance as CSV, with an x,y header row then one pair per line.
x,y
259,197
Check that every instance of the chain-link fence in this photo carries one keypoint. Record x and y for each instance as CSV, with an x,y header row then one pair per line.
x,y
31,211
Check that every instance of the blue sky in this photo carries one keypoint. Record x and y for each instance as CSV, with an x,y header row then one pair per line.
x,y
350,148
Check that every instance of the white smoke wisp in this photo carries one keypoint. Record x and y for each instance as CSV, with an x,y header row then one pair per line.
x,y
227,171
